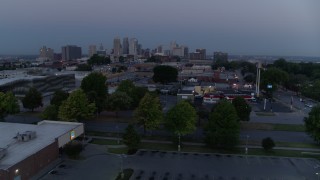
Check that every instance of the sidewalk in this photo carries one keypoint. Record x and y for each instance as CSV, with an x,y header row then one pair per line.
x,y
203,144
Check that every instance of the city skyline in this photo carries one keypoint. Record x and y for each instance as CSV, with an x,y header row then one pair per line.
x,y
285,28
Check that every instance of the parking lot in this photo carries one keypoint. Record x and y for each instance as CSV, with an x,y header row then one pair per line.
x,y
164,165
172,165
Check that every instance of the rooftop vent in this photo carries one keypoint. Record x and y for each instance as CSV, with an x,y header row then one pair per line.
x,y
26,136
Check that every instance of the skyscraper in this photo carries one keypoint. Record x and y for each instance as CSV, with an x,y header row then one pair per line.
x,y
202,52
125,45
92,50
133,46
46,53
71,52
117,47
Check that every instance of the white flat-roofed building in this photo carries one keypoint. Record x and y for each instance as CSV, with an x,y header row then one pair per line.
x,y
28,148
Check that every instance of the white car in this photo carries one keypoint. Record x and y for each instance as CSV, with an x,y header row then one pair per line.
x,y
309,105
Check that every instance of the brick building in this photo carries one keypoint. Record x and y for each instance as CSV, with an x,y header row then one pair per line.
x,y
25,149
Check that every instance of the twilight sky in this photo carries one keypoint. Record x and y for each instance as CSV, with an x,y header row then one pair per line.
x,y
244,27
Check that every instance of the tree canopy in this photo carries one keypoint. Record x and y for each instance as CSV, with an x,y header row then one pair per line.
x,y
83,67
149,112
98,60
223,129
131,138
273,76
76,107
119,101
50,112
181,119
58,97
8,104
242,107
136,93
312,123
96,89
33,99
165,74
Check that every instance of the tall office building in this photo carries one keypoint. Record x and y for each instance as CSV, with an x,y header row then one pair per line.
x,y
202,52
71,52
220,56
125,45
117,47
92,50
186,51
133,46
46,53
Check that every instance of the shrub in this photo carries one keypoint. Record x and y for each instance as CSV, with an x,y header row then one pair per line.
x,y
267,143
73,149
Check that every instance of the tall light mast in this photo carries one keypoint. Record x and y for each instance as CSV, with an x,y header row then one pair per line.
x,y
258,79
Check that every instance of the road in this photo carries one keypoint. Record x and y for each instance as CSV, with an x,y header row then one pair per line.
x,y
255,135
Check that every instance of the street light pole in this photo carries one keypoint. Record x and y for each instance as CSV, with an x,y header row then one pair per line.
x,y
247,144
179,147
318,174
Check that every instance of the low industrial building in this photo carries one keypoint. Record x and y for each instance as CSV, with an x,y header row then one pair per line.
x,y
25,149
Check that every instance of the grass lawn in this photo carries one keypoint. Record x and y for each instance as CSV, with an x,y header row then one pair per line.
x,y
205,149
272,127
106,142
122,150
240,151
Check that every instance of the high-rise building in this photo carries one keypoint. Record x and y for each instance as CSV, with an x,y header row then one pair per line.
x,y
125,45
133,46
186,52
101,47
71,52
202,53
46,53
220,56
92,50
117,47
159,49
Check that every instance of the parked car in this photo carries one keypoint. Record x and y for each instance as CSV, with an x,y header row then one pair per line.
x,y
308,105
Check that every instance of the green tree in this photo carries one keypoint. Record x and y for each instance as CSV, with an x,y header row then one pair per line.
x,y
119,101
136,93
131,138
83,67
267,144
76,107
312,123
33,99
98,60
50,113
165,74
242,107
149,112
8,104
96,89
181,119
274,77
223,129
250,78
312,90
58,97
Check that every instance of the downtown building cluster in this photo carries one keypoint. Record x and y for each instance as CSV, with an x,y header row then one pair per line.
x,y
128,49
